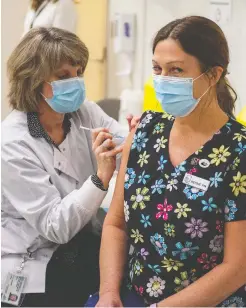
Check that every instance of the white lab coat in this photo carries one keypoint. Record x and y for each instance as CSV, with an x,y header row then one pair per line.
x,y
61,14
47,194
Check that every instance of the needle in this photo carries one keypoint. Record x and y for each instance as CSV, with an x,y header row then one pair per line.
x,y
114,135
86,128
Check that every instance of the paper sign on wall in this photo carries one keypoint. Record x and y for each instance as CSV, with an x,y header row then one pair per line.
x,y
220,11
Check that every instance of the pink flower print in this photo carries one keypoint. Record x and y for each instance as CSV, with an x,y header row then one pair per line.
x,y
196,228
163,210
139,290
219,225
209,262
193,170
144,253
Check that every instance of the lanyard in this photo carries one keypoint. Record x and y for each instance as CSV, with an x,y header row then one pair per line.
x,y
25,257
30,254
39,10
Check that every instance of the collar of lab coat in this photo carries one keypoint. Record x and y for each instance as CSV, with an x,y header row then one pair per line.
x,y
36,130
61,158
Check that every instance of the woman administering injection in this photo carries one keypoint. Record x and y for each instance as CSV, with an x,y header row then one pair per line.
x,y
55,175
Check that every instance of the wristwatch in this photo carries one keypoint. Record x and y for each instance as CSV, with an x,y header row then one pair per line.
x,y
97,182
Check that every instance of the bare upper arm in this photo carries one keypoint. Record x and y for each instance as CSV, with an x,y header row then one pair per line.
x,y
235,243
116,211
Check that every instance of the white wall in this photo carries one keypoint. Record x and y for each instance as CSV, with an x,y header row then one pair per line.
x,y
154,14
13,13
116,84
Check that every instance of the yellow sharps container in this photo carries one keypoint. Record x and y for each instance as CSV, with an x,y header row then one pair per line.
x,y
242,116
150,100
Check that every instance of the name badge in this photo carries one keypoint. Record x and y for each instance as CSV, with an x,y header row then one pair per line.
x,y
196,182
12,290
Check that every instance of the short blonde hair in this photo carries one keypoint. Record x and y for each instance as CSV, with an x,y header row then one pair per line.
x,y
35,59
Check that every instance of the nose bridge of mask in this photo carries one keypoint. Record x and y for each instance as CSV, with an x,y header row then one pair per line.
x,y
64,81
172,79
173,85
66,86
67,80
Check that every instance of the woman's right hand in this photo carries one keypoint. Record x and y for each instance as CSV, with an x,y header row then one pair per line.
x,y
105,151
109,299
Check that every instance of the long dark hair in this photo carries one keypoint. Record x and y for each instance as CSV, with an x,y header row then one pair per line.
x,y
35,4
203,39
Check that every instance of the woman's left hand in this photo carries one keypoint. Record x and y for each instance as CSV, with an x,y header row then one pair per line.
x,y
132,121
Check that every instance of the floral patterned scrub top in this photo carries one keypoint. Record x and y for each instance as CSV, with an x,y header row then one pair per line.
x,y
177,230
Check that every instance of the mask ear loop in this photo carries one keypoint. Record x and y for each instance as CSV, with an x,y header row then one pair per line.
x,y
43,96
50,85
199,99
199,76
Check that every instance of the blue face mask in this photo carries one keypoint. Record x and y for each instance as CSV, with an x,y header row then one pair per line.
x,y
176,94
68,95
